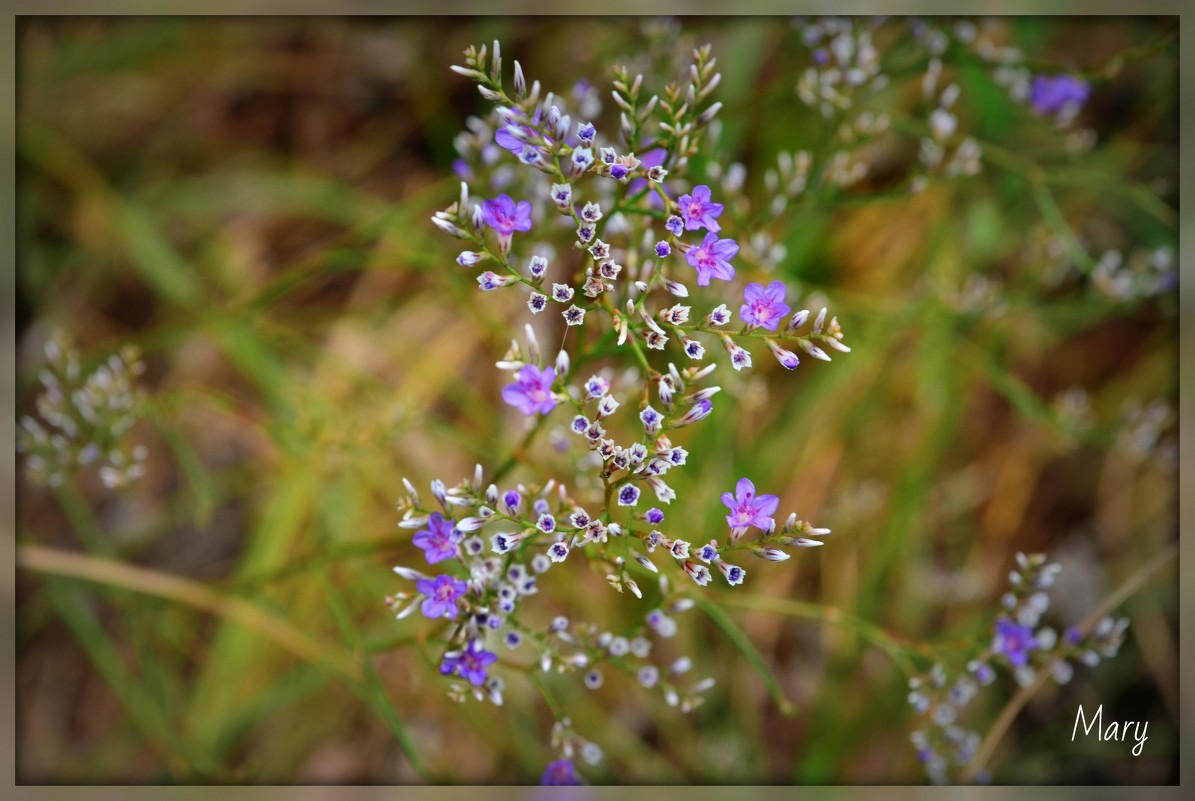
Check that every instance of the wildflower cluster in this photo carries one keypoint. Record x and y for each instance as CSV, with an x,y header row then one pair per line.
x,y
639,235
562,772
85,419
1020,645
622,265
487,548
855,68
1141,274
1148,433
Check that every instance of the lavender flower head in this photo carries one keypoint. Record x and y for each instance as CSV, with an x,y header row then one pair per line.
x,y
1050,94
532,391
1014,641
440,540
712,258
748,509
470,664
505,216
441,592
560,773
764,307
698,211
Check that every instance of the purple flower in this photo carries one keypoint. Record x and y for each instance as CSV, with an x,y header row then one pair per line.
x,y
1014,641
439,540
596,386
628,495
651,421
652,158
471,664
505,216
532,392
1050,94
560,774
787,359
441,592
747,509
675,225
697,210
663,249
489,281
508,140
586,132
699,411
654,516
764,307
712,259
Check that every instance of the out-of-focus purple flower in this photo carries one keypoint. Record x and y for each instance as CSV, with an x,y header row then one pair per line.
x,y
764,307
531,393
712,259
1014,641
748,509
698,211
1050,94
506,138
440,540
560,773
470,664
505,216
462,169
441,592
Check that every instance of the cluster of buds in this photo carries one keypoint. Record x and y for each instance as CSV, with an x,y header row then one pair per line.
x,y
85,419
1143,274
1020,645
845,65
945,151
1148,433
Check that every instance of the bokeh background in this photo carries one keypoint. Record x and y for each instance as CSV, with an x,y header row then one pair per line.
x,y
247,201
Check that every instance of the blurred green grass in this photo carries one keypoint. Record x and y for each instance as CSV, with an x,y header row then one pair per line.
x,y
248,201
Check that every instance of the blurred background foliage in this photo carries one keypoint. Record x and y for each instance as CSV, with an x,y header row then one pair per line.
x,y
247,201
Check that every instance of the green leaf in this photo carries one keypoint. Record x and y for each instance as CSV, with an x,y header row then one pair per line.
x,y
751,654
